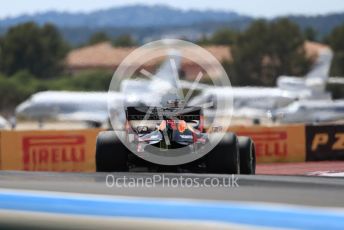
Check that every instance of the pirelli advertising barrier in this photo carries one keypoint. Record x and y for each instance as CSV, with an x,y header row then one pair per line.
x,y
48,150
73,151
295,143
276,143
325,142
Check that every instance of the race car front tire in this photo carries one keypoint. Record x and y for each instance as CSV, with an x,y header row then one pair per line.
x,y
111,154
247,155
224,158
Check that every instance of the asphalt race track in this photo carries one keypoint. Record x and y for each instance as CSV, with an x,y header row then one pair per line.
x,y
300,190
47,200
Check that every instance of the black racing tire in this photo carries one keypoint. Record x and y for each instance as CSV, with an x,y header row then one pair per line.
x,y
247,155
111,154
224,158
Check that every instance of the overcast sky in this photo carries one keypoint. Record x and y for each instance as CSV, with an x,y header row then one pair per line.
x,y
261,8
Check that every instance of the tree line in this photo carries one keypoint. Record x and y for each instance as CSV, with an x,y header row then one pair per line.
x,y
267,49
32,57
32,60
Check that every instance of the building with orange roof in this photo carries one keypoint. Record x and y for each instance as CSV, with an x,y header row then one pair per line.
x,y
105,56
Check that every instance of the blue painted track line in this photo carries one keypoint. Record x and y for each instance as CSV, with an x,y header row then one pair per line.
x,y
239,213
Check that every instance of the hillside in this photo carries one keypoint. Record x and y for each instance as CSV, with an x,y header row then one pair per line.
x,y
127,16
147,23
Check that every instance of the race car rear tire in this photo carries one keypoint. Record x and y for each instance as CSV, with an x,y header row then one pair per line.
x,y
247,155
111,154
224,158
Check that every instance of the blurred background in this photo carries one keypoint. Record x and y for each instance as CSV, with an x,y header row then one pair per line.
x,y
77,45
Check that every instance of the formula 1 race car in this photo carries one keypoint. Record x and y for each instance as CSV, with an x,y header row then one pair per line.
x,y
173,127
